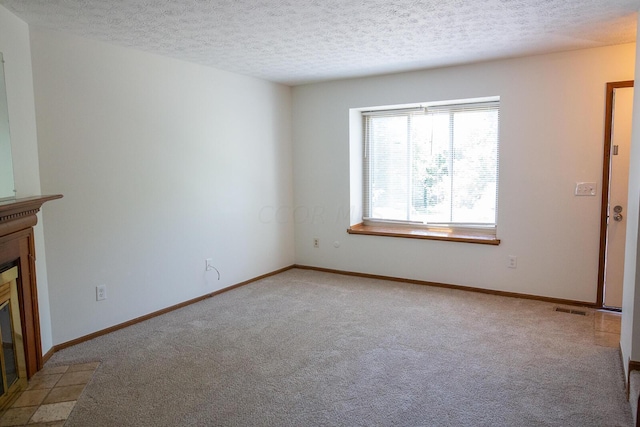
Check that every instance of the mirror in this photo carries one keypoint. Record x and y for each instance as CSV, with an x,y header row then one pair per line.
x,y
7,188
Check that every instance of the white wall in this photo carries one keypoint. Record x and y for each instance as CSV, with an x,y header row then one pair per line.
x,y
552,126
162,164
15,47
630,332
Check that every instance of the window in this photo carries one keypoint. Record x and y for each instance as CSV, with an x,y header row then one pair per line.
x,y
432,166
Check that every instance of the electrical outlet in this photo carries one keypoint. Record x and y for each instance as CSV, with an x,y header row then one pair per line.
x,y
208,264
513,262
316,242
101,292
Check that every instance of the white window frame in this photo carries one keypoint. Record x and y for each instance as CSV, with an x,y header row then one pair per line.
x,y
450,227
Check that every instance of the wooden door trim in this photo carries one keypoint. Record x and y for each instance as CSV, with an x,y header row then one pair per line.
x,y
606,170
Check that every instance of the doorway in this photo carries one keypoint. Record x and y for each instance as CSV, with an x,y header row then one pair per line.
x,y
615,179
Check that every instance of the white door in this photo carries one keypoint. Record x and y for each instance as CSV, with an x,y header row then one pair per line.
x,y
618,187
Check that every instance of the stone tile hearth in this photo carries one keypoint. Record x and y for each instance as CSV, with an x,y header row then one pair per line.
x,y
50,396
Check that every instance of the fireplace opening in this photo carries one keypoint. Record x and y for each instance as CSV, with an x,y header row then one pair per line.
x,y
13,372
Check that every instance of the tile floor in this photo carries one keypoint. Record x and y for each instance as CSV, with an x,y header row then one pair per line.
x,y
50,396
606,328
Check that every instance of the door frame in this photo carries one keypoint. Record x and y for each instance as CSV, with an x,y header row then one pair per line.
x,y
606,170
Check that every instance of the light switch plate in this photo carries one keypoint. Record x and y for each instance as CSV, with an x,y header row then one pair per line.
x,y
585,189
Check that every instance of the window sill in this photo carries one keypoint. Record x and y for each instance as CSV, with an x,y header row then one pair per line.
x,y
421,233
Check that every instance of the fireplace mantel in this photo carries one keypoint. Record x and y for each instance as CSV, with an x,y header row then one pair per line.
x,y
17,248
14,212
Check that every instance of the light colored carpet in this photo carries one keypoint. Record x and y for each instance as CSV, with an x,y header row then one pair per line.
x,y
307,348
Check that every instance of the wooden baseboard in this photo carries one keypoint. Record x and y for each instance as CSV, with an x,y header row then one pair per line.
x,y
449,286
114,328
633,365
105,331
48,354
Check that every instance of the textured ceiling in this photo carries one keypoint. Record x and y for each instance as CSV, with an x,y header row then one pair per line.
x,y
299,41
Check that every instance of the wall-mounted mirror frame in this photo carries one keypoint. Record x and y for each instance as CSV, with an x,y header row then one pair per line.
x,y
7,185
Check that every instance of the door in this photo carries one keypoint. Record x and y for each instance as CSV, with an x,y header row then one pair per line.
x,y
616,204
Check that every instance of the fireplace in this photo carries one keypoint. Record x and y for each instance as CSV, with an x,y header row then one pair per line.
x,y
19,318
13,369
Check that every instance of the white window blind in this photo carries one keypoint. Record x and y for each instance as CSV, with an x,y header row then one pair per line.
x,y
434,165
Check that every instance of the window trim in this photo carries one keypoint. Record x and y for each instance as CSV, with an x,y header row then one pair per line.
x,y
413,232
